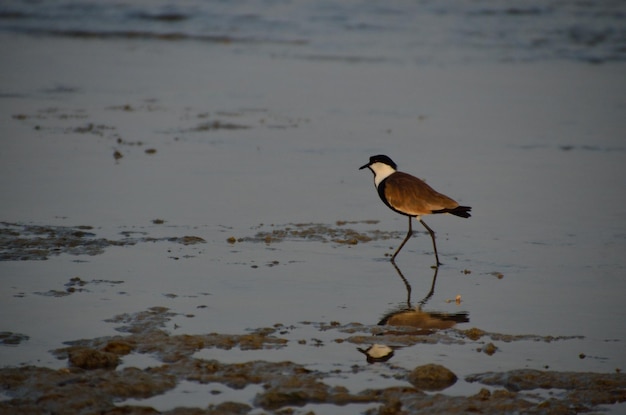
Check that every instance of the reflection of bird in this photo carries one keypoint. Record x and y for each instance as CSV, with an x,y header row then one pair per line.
x,y
377,353
410,196
407,315
424,319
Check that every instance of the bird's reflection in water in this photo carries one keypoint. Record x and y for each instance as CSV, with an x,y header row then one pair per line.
x,y
425,321
406,315
377,353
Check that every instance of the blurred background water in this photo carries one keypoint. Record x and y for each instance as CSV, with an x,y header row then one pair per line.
x,y
424,31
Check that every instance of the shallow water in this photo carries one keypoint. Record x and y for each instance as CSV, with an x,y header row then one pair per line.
x,y
257,137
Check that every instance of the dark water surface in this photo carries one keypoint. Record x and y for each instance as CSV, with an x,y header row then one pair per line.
x,y
353,31
129,130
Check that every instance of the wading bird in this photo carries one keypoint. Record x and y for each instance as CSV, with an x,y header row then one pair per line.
x,y
410,196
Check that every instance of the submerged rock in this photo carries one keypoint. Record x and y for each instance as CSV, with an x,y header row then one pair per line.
x,y
432,377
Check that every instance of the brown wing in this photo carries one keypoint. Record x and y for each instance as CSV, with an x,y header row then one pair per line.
x,y
413,196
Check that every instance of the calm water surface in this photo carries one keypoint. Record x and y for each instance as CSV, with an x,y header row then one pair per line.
x,y
261,113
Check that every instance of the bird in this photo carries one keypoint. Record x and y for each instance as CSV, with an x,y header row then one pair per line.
x,y
410,196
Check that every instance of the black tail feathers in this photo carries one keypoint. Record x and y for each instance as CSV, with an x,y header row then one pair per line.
x,y
462,211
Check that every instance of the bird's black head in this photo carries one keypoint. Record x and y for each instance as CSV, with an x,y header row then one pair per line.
x,y
380,158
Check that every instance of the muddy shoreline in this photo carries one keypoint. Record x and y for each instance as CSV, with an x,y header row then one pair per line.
x,y
91,384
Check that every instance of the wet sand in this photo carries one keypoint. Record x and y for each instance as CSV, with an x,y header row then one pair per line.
x,y
90,382
185,227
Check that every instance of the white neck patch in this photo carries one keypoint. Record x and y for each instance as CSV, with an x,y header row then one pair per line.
x,y
381,172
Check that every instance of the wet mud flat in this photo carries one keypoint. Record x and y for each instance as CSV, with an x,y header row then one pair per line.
x,y
22,241
100,374
19,241
91,383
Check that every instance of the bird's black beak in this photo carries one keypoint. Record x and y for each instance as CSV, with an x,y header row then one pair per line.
x,y
364,166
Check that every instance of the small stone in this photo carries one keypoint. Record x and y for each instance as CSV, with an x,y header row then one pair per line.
x,y
474,333
432,377
483,394
489,349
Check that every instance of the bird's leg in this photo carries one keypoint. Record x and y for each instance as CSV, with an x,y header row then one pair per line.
x,y
406,284
432,235
408,235
432,290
